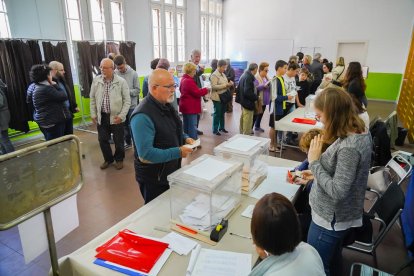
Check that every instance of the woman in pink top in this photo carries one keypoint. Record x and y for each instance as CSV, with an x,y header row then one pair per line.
x,y
190,100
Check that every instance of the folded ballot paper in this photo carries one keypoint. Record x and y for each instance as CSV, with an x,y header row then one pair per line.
x,y
133,254
207,262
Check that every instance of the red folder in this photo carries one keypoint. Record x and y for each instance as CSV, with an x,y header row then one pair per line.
x,y
304,121
133,251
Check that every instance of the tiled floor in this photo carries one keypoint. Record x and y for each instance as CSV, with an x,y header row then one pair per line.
x,y
110,195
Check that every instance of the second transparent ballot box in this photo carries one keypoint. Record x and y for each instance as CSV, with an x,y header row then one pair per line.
x,y
205,192
246,149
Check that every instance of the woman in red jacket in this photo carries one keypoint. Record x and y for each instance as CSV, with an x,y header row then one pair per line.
x,y
190,100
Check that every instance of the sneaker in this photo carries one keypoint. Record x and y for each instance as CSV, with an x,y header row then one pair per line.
x,y
252,132
223,130
127,146
217,133
105,165
199,132
119,165
272,148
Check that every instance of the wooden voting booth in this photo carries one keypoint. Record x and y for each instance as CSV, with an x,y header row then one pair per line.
x,y
36,178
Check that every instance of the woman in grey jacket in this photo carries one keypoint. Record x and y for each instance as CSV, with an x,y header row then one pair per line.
x,y
341,174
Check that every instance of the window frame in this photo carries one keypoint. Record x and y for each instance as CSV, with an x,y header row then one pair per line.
x,y
122,19
6,17
102,22
68,19
175,10
218,34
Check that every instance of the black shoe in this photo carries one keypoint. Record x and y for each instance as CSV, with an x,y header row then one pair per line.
x,y
223,130
199,132
217,133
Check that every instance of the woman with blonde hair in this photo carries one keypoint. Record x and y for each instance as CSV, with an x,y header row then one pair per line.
x,y
263,89
341,173
338,73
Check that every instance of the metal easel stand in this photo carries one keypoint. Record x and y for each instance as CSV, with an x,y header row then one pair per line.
x,y
63,151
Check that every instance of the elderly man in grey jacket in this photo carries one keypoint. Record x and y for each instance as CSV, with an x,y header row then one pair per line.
x,y
110,102
5,144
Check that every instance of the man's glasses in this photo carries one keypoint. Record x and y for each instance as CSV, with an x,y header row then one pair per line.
x,y
171,86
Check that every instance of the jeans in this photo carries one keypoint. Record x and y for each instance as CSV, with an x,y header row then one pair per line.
x,y
328,243
68,127
127,127
218,116
5,144
190,125
104,134
56,131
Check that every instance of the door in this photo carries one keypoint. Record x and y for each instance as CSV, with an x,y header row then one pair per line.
x,y
405,107
353,51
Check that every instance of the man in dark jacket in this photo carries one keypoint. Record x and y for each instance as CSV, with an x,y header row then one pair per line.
x,y
58,75
196,58
5,144
248,97
317,72
231,76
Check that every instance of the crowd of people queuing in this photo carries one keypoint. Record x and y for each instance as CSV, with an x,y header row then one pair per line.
x,y
338,157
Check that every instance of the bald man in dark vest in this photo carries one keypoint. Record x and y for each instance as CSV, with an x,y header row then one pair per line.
x,y
158,136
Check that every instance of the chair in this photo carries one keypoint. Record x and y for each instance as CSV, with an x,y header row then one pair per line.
x,y
366,270
386,211
396,170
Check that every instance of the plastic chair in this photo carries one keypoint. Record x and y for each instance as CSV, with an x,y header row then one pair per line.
x,y
386,211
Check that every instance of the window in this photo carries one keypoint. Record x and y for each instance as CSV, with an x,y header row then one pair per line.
x,y
73,19
117,21
156,32
211,29
180,37
204,34
169,28
4,21
169,34
212,39
98,20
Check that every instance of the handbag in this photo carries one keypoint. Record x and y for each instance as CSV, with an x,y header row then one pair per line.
x,y
379,178
226,97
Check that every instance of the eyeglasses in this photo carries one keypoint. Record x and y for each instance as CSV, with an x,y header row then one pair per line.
x,y
171,86
102,67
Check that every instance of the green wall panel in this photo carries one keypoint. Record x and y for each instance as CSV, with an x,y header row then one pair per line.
x,y
383,86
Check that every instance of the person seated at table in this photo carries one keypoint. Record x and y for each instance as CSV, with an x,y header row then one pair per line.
x,y
276,234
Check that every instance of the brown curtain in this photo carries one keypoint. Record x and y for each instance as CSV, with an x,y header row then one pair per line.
x,y
112,47
59,53
15,63
35,50
89,56
127,49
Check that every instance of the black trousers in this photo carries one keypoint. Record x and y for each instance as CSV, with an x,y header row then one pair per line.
x,y
104,134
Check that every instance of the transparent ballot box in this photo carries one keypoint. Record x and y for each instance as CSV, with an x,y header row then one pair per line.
x,y
204,192
246,149
309,107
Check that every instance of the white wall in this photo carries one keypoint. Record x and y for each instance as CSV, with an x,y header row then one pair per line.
x,y
36,19
386,25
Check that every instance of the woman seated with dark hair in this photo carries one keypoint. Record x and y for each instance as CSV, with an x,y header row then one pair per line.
x,y
276,234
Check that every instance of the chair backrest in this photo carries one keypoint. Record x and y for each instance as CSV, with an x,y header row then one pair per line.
x,y
399,167
388,209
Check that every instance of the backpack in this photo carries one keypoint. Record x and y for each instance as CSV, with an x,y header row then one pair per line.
x,y
381,152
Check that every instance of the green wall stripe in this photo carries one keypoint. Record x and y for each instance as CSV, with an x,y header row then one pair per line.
x,y
383,86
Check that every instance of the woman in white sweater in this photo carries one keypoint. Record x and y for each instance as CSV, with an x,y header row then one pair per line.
x,y
276,233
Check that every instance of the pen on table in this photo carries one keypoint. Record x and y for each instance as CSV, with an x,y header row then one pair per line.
x,y
241,236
